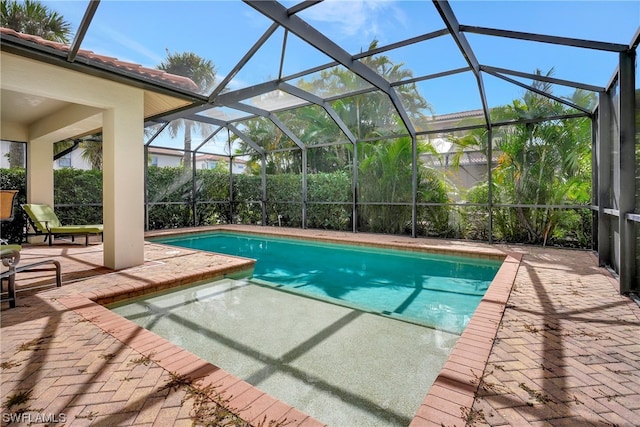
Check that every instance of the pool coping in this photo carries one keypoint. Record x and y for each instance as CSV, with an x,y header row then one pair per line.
x,y
448,401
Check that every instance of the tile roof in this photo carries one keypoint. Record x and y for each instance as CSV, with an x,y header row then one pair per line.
x,y
162,76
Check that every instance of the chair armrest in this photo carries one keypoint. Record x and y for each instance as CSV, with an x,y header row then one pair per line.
x,y
46,224
11,260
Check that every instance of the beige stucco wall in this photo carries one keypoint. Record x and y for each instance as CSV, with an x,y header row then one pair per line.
x,y
93,103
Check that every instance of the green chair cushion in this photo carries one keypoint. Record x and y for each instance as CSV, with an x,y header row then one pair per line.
x,y
8,250
42,215
77,229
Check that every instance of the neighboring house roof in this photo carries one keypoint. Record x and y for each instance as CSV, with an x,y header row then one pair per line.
x,y
459,115
172,79
202,157
166,151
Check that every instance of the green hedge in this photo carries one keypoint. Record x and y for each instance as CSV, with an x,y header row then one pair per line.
x,y
14,179
329,205
82,189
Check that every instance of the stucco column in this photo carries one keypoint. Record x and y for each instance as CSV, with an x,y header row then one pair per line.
x,y
123,183
40,172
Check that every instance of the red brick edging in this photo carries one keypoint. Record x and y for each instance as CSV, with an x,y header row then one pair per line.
x,y
450,398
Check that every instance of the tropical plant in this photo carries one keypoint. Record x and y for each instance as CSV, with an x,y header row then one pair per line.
x,y
386,186
385,166
91,148
31,17
370,114
92,152
203,73
541,163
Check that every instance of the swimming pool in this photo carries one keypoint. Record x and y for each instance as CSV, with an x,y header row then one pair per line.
x,y
342,366
433,290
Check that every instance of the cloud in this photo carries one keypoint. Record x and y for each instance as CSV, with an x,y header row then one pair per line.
x,y
142,54
351,18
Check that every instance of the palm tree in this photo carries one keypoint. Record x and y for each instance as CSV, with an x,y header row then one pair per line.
x,y
386,179
92,152
540,163
31,17
91,149
203,73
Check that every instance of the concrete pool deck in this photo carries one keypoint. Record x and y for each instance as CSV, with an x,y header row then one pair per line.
x,y
566,351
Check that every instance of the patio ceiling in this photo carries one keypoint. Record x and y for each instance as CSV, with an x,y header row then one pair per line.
x,y
295,43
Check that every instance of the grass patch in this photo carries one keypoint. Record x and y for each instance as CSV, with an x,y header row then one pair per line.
x,y
535,394
34,344
9,364
210,408
143,360
17,399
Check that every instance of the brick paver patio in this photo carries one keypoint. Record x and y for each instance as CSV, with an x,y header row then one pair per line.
x,y
566,351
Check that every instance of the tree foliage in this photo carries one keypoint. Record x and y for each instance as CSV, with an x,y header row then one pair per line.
x,y
203,73
542,164
31,17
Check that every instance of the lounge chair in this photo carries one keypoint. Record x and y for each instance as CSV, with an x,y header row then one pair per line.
x,y
10,255
7,203
44,221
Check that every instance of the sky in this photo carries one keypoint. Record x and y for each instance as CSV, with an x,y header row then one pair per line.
x,y
223,30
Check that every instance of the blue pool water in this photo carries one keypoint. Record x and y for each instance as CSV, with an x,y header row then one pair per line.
x,y
432,290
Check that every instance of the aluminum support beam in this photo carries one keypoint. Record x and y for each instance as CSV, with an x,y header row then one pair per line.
x,y
82,29
540,92
542,119
302,94
230,127
194,190
414,186
246,139
263,175
227,98
274,119
541,78
403,43
627,165
368,53
302,6
450,20
155,135
247,56
635,40
594,180
282,52
305,190
490,184
564,41
285,129
431,76
146,187
205,119
207,139
276,12
603,165
232,195
354,190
